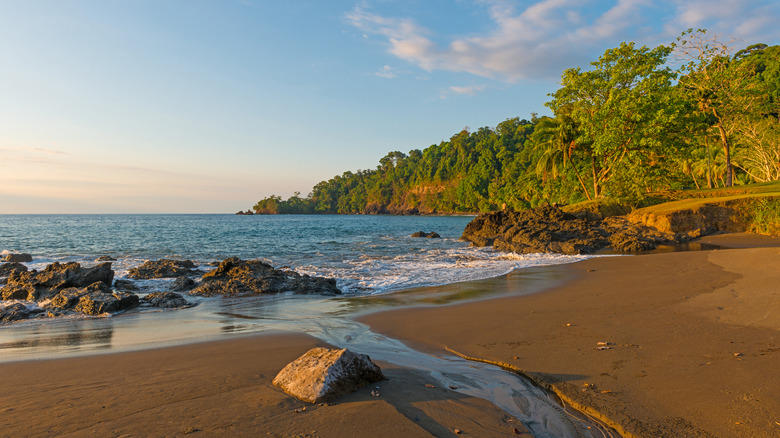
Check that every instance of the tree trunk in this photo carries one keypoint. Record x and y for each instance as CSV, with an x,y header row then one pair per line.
x,y
725,140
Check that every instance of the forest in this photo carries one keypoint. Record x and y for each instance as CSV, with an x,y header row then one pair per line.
x,y
692,114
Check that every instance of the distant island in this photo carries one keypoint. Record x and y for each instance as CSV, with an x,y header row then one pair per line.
x,y
627,131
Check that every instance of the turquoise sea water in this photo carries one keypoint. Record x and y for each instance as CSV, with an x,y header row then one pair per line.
x,y
373,258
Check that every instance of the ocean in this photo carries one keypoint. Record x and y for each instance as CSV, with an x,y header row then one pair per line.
x,y
374,259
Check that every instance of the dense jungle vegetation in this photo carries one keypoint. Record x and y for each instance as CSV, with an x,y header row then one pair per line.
x,y
628,127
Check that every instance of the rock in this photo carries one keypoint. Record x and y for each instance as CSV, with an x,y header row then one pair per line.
x,y
431,235
165,300
125,285
105,259
549,229
183,284
94,299
14,312
7,268
245,213
54,278
164,268
234,276
323,374
18,258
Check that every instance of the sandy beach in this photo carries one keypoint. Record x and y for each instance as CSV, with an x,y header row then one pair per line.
x,y
679,344
682,344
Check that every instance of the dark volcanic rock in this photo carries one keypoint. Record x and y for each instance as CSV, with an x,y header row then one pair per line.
x,y
18,258
7,268
549,229
431,235
165,300
234,276
94,299
183,284
36,286
105,259
125,285
164,268
14,312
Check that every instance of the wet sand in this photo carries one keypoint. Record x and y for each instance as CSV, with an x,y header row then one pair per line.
x,y
223,388
682,344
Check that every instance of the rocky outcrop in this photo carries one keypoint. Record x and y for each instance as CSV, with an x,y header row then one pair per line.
x,y
95,299
105,259
125,285
18,258
14,312
549,229
431,235
164,268
7,268
323,374
165,300
36,286
183,284
234,276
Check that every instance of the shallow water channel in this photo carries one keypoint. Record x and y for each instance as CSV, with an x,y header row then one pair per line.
x,y
326,318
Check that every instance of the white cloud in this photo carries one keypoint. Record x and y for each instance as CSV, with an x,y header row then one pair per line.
x,y
386,72
470,91
540,40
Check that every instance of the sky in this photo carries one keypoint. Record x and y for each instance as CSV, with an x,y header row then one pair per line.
x,y
207,106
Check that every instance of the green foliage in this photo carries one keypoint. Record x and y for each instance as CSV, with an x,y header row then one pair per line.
x,y
627,129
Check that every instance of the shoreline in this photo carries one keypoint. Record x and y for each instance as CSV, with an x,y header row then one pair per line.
x,y
691,339
456,328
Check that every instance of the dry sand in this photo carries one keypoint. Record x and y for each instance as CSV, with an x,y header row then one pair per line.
x,y
224,388
692,345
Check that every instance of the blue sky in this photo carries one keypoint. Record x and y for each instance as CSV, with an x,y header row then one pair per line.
x,y
197,106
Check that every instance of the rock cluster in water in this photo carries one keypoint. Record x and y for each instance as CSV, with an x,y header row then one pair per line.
x,y
63,288
234,276
550,229
323,374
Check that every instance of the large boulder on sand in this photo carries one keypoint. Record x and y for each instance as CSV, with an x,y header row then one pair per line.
x,y
164,268
41,285
323,374
234,276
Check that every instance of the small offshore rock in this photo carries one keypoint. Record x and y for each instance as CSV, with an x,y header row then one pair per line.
x,y
165,300
105,259
164,268
323,374
125,285
431,235
18,258
7,268
183,284
14,312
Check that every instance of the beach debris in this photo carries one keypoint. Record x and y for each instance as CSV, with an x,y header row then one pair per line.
x,y
428,385
323,374
457,431
18,258
737,354
604,345
453,387
568,324
374,393
516,431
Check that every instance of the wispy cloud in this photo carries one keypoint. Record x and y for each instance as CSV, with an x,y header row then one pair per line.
x,y
539,40
470,91
386,72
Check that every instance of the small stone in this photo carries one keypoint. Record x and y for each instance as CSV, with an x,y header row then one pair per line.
x,y
457,431
428,385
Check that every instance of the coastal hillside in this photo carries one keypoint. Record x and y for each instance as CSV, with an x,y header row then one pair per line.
x,y
627,129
